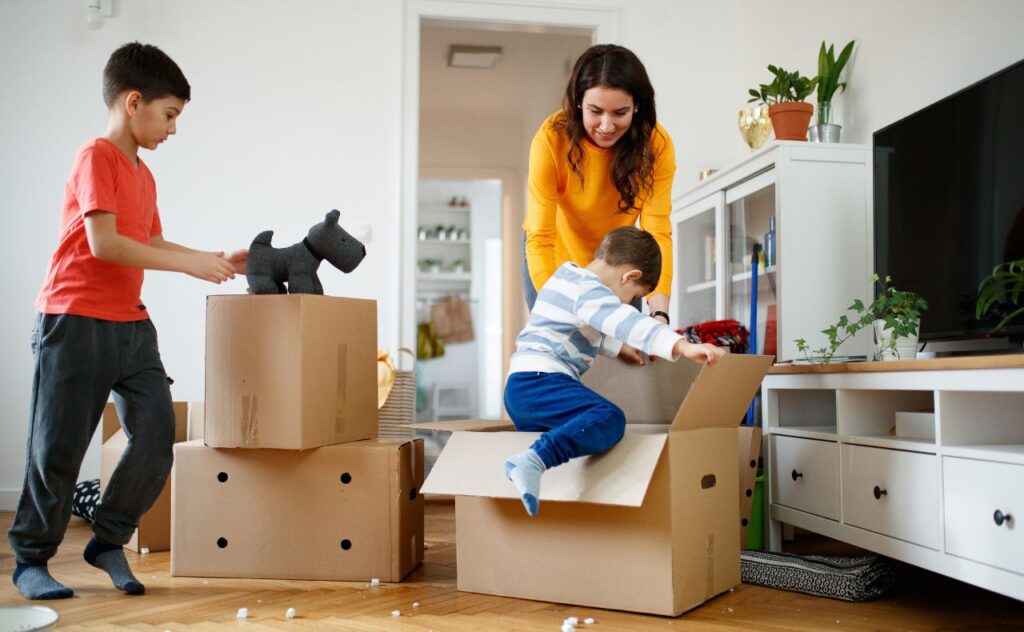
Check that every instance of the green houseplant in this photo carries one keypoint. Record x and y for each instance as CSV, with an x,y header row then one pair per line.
x,y
1006,283
894,311
784,96
829,70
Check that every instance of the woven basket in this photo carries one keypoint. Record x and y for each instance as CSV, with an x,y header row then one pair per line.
x,y
400,407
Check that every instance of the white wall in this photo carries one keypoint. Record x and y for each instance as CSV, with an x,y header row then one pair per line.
x,y
298,109
908,55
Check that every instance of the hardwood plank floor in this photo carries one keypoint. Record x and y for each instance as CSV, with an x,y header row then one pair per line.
x,y
921,601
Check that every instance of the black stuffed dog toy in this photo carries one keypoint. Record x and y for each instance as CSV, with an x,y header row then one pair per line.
x,y
269,269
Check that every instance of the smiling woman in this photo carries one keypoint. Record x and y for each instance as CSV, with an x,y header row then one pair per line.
x,y
600,162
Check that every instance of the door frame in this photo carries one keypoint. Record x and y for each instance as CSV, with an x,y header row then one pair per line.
x,y
601,21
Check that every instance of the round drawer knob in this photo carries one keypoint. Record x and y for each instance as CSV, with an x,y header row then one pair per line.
x,y
797,475
999,517
879,492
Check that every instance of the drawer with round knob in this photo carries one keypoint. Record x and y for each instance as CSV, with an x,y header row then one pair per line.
x,y
892,492
806,475
984,506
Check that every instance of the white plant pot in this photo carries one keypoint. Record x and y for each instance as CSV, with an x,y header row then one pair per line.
x,y
906,347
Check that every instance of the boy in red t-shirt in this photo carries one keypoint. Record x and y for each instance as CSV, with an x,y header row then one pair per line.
x,y
93,335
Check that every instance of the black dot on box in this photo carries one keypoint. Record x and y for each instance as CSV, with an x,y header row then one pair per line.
x,y
749,493
222,477
346,545
346,478
744,523
222,543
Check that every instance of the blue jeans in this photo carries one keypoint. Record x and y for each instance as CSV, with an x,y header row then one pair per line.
x,y
529,292
79,361
575,420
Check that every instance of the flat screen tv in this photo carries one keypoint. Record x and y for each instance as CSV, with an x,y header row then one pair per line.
x,y
949,202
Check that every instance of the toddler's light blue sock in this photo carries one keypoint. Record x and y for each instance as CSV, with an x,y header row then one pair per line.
x,y
35,582
110,557
524,470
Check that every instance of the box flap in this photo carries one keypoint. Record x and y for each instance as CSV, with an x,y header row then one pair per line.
x,y
722,392
472,464
646,394
478,425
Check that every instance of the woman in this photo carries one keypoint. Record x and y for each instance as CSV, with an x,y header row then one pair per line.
x,y
600,162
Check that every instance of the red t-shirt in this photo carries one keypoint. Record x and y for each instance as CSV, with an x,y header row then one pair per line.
x,y
102,178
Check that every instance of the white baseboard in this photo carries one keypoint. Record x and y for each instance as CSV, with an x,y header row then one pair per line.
x,y
9,499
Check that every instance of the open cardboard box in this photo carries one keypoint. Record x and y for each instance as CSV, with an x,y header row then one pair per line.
x,y
650,526
154,532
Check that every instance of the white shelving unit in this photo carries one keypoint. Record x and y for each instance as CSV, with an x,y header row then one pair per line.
x,y
953,504
818,194
442,218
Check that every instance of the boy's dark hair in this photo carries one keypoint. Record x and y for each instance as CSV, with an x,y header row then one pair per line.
x,y
145,68
631,246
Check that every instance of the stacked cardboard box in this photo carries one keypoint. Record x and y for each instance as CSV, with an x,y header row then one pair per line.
x,y
291,480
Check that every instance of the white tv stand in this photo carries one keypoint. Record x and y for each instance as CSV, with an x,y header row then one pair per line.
x,y
953,504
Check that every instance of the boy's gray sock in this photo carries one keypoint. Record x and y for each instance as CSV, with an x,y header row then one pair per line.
x,y
110,557
524,470
35,582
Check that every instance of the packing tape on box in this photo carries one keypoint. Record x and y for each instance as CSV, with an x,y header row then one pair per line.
x,y
250,429
709,589
342,390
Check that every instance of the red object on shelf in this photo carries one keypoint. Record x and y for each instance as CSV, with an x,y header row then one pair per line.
x,y
721,333
770,332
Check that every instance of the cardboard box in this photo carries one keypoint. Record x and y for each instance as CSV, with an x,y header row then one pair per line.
x,y
347,512
154,532
650,526
749,453
290,371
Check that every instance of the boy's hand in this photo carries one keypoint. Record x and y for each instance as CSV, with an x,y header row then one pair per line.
x,y
629,355
237,259
209,266
703,353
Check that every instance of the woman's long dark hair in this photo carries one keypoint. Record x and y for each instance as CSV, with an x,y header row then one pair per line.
x,y
611,66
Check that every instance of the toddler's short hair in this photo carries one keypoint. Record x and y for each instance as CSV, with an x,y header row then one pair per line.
x,y
145,68
632,246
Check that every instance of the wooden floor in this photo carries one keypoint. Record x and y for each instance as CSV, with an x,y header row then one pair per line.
x,y
922,600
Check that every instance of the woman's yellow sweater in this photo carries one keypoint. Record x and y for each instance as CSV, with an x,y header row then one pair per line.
x,y
565,222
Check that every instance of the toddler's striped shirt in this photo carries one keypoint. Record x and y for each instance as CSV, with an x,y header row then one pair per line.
x,y
575,318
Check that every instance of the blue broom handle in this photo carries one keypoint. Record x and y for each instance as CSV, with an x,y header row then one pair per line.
x,y
752,348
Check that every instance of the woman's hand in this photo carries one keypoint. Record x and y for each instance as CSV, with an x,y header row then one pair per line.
x,y
629,355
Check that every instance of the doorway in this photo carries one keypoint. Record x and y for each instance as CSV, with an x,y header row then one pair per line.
x,y
473,126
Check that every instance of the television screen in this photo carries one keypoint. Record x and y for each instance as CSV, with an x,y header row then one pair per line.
x,y
949,202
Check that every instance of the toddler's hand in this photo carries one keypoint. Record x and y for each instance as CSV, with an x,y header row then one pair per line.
x,y
703,353
209,266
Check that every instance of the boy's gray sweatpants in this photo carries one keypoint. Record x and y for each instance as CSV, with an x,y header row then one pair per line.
x,y
79,361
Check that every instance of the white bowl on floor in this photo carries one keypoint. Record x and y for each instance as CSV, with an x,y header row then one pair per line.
x,y
26,618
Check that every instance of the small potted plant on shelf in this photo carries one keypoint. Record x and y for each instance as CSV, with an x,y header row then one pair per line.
x,y
829,69
784,96
895,316
1000,292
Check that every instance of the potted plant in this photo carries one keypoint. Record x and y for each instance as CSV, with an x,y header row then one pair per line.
x,y
784,97
895,316
829,69
1001,291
